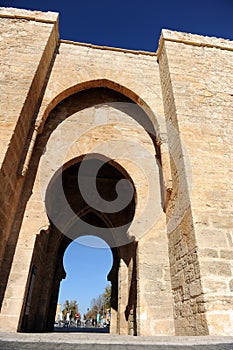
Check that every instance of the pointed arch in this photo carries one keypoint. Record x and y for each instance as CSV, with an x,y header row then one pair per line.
x,y
100,83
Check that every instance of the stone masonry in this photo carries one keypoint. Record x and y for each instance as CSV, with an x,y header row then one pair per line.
x,y
160,124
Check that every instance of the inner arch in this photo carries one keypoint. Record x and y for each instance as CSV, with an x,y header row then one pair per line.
x,y
87,262
68,210
55,241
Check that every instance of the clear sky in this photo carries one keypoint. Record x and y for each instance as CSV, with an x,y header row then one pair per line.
x,y
87,262
130,24
134,24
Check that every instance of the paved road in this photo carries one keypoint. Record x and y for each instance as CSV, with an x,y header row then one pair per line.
x,y
81,330
65,346
81,341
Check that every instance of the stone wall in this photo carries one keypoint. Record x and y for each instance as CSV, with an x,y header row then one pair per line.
x,y
197,76
24,63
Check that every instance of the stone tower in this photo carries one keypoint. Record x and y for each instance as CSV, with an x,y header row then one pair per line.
x,y
133,147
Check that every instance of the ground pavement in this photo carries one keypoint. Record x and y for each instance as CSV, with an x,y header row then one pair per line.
x,y
91,341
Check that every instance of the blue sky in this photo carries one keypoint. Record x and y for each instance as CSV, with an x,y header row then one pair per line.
x,y
130,24
134,24
87,267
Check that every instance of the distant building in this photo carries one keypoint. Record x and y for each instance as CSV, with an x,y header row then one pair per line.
x,y
58,316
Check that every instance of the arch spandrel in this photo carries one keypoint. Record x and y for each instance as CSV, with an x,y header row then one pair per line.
x,y
77,68
146,103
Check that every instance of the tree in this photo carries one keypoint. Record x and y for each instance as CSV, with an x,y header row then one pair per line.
x,y
70,306
100,304
107,296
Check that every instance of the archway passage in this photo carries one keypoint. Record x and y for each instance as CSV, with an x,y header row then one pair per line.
x,y
56,212
86,256
71,216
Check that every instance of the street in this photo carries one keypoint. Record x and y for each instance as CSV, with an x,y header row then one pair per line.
x,y
82,329
69,340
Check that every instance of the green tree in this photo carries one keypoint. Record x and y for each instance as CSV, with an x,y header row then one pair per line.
x,y
100,304
107,297
70,306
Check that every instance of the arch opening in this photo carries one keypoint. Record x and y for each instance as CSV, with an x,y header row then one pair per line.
x,y
44,240
74,214
86,256
112,227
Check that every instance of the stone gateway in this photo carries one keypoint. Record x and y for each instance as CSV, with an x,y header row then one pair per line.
x,y
132,147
